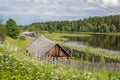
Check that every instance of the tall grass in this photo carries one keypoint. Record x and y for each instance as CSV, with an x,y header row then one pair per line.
x,y
19,67
15,66
18,43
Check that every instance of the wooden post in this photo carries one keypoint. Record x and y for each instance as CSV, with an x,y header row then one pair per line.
x,y
81,55
93,58
71,52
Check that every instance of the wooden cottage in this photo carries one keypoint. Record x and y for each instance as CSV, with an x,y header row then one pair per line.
x,y
43,47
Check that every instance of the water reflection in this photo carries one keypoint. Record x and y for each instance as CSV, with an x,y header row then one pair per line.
x,y
108,43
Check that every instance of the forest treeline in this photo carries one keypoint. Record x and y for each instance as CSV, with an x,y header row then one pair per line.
x,y
91,24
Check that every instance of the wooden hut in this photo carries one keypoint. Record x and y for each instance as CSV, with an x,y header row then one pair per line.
x,y
43,47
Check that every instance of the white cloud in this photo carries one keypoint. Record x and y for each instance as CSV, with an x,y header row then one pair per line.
x,y
111,3
106,3
24,0
42,1
38,1
91,1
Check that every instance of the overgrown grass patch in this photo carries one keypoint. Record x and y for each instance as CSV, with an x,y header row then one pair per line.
x,y
59,36
18,43
15,66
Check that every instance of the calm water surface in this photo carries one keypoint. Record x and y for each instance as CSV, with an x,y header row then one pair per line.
x,y
108,43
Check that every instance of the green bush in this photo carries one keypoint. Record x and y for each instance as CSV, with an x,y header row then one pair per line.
x,y
102,59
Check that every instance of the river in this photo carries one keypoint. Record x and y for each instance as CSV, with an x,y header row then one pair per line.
x,y
108,43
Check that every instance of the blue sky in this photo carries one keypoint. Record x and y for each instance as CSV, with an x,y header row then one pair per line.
x,y
28,11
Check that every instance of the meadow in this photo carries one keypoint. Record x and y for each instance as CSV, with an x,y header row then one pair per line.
x,y
14,66
17,66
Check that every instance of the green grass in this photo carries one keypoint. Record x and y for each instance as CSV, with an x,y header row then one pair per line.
x,y
19,67
109,33
91,50
58,36
105,75
118,34
15,66
18,43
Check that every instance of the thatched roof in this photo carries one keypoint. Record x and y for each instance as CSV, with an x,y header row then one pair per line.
x,y
41,45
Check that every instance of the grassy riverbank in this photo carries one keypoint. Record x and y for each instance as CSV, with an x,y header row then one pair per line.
x,y
89,33
58,36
